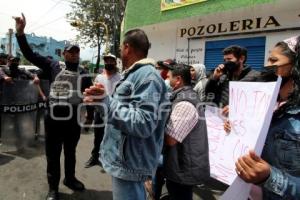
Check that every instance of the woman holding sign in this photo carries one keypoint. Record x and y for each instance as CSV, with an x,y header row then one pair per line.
x,y
277,172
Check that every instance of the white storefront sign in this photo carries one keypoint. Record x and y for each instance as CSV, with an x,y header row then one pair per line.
x,y
171,39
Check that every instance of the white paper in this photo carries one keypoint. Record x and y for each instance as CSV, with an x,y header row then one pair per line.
x,y
251,107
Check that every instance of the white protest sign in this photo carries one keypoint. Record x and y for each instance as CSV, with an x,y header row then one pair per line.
x,y
251,107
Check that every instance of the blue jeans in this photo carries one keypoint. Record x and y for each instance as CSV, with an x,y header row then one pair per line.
x,y
128,190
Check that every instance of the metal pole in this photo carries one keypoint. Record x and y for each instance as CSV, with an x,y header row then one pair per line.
x,y
10,32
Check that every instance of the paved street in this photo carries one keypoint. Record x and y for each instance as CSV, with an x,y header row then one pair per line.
x,y
23,175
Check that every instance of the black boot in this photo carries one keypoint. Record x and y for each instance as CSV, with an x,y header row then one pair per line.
x,y
73,184
92,162
52,195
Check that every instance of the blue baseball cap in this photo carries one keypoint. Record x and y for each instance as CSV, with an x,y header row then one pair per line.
x,y
68,47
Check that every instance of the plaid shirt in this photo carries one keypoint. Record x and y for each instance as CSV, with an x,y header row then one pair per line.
x,y
183,119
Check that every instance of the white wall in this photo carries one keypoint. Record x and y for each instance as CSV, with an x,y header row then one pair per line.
x,y
167,41
163,41
273,38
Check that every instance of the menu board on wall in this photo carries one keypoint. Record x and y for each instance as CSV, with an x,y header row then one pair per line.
x,y
171,4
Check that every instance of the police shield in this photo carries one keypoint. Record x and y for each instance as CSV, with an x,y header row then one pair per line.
x,y
19,105
42,105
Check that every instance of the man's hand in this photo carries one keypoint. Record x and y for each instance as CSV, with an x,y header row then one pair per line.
x,y
44,98
225,111
8,79
218,72
169,141
20,24
227,126
94,93
252,169
36,80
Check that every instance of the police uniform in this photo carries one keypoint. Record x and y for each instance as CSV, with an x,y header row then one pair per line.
x,y
61,126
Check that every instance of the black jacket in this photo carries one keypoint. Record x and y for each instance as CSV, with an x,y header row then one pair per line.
x,y
188,162
217,91
50,67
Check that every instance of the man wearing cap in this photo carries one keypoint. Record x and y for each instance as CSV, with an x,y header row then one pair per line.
x,y
109,79
12,72
61,126
162,66
186,160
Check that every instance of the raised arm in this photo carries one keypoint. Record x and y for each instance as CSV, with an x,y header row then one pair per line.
x,y
35,58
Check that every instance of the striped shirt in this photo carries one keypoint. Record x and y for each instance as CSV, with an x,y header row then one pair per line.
x,y
183,119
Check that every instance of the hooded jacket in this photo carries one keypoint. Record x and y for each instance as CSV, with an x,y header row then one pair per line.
x,y
201,80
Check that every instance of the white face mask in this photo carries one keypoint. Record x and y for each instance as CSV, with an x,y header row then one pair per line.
x,y
167,82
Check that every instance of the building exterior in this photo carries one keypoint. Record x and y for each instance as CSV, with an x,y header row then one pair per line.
x,y
43,45
197,33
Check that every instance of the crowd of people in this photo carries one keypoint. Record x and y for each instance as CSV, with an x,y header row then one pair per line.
x,y
148,124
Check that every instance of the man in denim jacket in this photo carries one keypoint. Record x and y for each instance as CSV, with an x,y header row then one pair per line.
x,y
136,116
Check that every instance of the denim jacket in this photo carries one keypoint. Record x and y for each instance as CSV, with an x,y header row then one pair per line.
x,y
136,117
282,152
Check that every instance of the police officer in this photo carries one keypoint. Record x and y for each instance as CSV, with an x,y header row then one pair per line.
x,y
8,73
12,71
61,126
